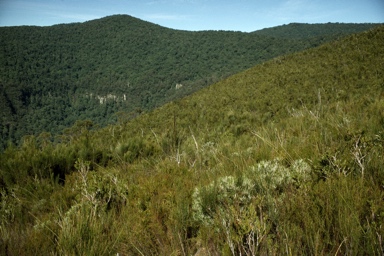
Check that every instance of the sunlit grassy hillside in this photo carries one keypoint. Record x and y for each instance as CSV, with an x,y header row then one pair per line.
x,y
285,158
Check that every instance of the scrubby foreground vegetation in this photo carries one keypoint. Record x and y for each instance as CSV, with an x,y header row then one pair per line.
x,y
119,66
285,158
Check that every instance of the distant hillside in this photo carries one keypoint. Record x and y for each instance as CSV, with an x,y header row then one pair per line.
x,y
304,31
120,66
285,158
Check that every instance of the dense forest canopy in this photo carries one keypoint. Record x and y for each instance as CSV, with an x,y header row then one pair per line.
x,y
119,66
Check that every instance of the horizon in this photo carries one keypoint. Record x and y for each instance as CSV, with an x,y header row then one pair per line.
x,y
193,15
279,25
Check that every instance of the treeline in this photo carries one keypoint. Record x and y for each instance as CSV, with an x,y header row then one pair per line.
x,y
52,76
284,158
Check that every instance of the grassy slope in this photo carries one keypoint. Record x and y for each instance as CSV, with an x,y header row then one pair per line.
x,y
218,172
47,74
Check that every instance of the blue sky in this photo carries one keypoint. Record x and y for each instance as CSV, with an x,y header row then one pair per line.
x,y
239,15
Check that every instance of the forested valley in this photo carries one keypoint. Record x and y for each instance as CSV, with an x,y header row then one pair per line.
x,y
115,68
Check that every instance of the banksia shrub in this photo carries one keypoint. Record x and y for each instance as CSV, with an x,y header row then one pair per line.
x,y
267,178
244,208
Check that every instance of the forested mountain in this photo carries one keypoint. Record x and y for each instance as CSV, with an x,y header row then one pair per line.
x,y
119,66
304,31
285,158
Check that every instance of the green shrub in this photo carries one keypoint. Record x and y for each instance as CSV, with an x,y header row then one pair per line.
x,y
245,208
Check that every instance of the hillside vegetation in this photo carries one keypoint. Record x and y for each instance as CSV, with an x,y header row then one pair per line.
x,y
119,66
285,158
